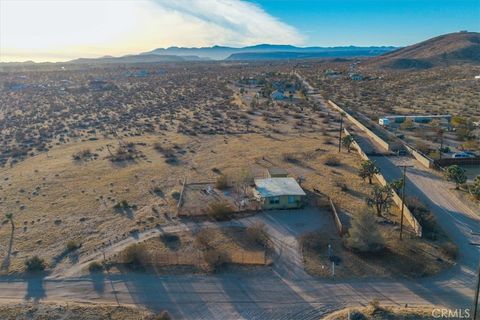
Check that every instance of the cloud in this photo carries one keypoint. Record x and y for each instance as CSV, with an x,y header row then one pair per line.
x,y
64,29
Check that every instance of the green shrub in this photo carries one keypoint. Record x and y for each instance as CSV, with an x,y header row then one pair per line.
x,y
34,264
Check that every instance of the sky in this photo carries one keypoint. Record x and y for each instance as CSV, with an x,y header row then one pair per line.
x,y
59,30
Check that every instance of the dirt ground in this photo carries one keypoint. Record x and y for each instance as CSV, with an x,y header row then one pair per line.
x,y
188,249
385,313
72,311
410,258
55,199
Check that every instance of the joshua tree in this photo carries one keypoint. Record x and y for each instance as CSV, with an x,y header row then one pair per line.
x,y
380,198
9,217
456,174
347,142
367,170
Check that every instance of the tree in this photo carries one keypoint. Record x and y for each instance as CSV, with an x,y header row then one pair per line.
x,y
347,142
367,170
9,217
397,184
380,198
456,174
364,235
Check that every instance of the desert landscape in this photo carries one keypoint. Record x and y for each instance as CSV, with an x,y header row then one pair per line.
x,y
218,164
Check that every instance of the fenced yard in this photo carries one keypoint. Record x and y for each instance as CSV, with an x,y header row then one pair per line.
x,y
198,197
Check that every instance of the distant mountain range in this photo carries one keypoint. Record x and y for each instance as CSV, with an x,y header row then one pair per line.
x,y
448,49
270,51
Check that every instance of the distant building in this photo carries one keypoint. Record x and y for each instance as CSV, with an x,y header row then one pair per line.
x,y
387,120
356,76
384,122
279,193
277,95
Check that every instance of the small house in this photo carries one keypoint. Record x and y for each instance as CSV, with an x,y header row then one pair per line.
x,y
279,193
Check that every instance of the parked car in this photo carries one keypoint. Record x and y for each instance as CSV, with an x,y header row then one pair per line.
x,y
459,155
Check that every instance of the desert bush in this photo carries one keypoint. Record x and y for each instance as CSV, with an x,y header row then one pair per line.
x,y
34,264
256,234
424,216
134,255
162,315
72,245
214,260
222,182
364,235
331,160
450,250
95,267
122,205
220,210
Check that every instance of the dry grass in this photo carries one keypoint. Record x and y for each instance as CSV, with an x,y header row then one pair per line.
x,y
55,199
409,258
384,313
203,250
72,311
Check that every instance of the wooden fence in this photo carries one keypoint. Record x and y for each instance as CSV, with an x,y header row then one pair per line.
x,y
160,259
338,223
457,161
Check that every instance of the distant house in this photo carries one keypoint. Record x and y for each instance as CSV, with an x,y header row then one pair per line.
x,y
384,122
277,95
279,193
277,173
356,76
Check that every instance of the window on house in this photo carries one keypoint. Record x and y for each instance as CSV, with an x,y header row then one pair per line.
x,y
274,200
291,199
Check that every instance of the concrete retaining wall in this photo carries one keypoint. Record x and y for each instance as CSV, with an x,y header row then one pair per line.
x,y
407,214
424,160
369,132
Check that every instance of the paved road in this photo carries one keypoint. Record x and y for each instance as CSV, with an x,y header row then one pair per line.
x,y
283,291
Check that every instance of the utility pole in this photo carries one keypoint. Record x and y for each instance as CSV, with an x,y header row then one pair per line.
x,y
440,133
477,289
340,133
475,301
403,197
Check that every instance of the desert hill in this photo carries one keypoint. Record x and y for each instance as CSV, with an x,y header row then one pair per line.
x,y
448,49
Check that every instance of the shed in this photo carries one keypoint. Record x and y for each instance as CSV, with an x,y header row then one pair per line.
x,y
277,172
279,193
